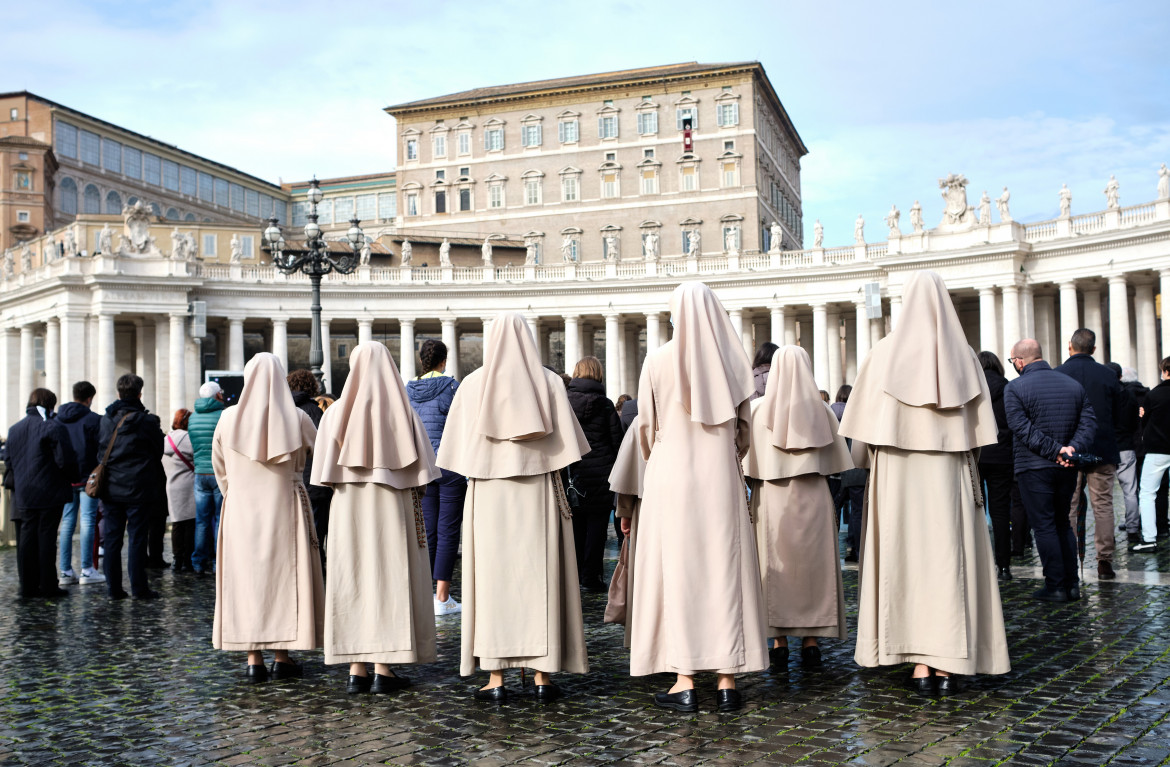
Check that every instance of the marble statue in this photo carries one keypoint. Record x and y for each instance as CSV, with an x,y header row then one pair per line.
x,y
9,265
106,240
567,248
178,245
650,246
237,249
364,254
729,238
444,253
26,258
70,244
1164,183
818,234
138,217
694,245
1065,201
916,218
985,209
1113,193
777,237
859,230
192,248
530,253
892,219
486,251
611,248
1002,204
954,193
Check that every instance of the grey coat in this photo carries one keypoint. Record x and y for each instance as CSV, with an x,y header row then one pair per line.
x,y
180,477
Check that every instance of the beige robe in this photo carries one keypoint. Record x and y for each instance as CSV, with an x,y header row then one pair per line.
x,y
626,481
269,592
928,592
696,603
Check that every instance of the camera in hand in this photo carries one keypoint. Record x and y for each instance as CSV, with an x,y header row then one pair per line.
x,y
1080,460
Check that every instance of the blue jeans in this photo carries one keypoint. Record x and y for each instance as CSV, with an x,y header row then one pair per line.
x,y
443,516
89,507
208,502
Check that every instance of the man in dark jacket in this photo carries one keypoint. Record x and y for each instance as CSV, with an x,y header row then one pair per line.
x,y
42,466
1126,428
995,467
1104,392
208,499
1155,416
304,388
1051,419
82,425
134,485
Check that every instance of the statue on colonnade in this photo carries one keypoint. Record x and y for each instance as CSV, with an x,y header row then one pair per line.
x,y
859,230
957,212
892,219
486,251
650,246
106,240
818,234
985,209
1065,201
916,221
1113,193
1164,183
444,253
1002,204
777,237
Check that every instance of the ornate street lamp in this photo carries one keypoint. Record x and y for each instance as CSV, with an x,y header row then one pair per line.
x,y
316,260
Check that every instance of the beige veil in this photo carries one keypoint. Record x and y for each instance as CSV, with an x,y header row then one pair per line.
x,y
629,469
267,425
713,371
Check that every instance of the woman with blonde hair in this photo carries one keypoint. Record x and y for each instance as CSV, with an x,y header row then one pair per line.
x,y
179,465
268,589
373,451
510,431
696,603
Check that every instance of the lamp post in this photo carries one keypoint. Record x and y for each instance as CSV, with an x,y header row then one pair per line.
x,y
315,260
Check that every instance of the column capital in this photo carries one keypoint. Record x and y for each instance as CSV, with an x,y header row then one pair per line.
x,y
1070,285
987,290
406,321
448,321
281,319
576,318
611,315
778,310
1118,279
178,315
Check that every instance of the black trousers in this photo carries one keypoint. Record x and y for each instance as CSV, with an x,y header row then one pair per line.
x,y
125,520
1046,494
36,550
854,495
1021,530
156,534
183,543
999,478
590,531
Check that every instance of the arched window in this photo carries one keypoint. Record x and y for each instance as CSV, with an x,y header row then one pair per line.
x,y
155,209
131,200
67,196
113,204
172,214
189,217
93,200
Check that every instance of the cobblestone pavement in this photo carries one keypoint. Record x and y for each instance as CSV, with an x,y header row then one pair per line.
x,y
90,681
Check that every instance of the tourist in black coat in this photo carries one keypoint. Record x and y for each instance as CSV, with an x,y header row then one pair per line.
x,y
589,477
304,388
995,467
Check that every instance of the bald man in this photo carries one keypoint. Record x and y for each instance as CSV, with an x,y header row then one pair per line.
x,y
1051,419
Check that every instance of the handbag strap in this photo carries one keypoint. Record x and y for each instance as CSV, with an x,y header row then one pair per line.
x,y
180,455
113,437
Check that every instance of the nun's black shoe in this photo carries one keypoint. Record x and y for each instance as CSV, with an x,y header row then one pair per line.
x,y
686,701
729,700
358,684
384,684
779,657
948,685
923,685
493,694
290,670
257,674
810,657
547,693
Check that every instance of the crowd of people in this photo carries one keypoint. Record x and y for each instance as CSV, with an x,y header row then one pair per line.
x,y
326,523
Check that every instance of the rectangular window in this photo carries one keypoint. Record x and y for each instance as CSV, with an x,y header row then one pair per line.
x,y
247,243
111,155
690,179
688,113
441,175
151,169
14,114
188,181
387,205
325,212
170,175
686,241
465,142
440,202
66,140
649,182
237,197
131,162
412,204
91,148
440,145
568,131
206,187
464,199
210,245
342,209
22,217
648,154
411,149
730,174
280,210
265,206
222,195
300,213
728,114
365,206
496,196
252,203
609,185
647,123
532,191
729,146
531,135
464,171
569,190
493,139
607,126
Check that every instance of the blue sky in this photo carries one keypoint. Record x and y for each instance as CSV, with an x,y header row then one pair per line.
x,y
889,97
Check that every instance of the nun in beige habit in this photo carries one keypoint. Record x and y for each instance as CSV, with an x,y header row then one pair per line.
x,y
510,431
626,482
696,604
373,450
268,589
919,409
794,446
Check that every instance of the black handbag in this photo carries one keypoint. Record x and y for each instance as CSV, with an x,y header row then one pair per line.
x,y
574,495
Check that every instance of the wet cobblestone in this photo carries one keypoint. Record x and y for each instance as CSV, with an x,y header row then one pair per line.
x,y
90,681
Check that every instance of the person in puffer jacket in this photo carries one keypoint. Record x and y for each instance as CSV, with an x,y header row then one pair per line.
x,y
208,498
430,396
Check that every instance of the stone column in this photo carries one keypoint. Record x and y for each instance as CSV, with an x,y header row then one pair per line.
x,y
534,329
820,328
1093,322
789,330
178,361
1070,320
895,310
366,331
107,391
851,360
1045,326
13,400
653,332
613,365
1147,332
1119,351
747,335
623,355
572,341
629,356
1027,312
28,375
545,342
53,361
73,353
988,327
162,367
736,316
863,332
235,344
776,315
833,322
406,348
280,340
451,341
327,354
1164,290
1011,316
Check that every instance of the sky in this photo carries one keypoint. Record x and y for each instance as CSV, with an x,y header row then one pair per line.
x,y
888,97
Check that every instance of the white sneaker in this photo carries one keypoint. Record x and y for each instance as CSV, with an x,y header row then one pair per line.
x,y
91,575
66,578
450,607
